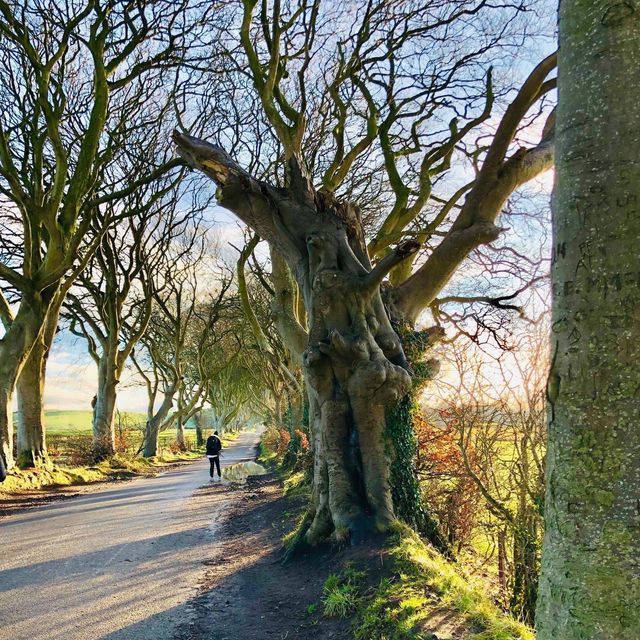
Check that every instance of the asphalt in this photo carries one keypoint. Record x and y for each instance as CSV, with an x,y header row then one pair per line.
x,y
117,564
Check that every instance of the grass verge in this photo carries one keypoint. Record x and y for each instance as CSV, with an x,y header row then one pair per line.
x,y
117,467
425,594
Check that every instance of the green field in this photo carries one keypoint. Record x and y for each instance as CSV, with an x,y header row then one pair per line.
x,y
79,422
70,431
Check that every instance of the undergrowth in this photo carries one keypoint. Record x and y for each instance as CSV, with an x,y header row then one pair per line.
x,y
341,593
423,583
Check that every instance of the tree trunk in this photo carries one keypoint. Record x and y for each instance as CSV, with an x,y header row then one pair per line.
x,y
525,573
6,424
152,428
180,435
32,449
14,350
31,425
354,365
590,579
502,561
199,432
104,410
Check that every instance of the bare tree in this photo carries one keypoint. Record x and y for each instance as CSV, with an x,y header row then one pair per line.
x,y
112,302
75,79
181,332
495,409
341,102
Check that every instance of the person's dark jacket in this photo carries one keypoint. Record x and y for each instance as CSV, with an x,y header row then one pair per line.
x,y
3,471
214,445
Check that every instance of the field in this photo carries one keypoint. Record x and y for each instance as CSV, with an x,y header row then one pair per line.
x,y
69,435
67,423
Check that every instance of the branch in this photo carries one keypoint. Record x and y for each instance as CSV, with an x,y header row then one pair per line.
x,y
496,181
403,250
253,201
6,315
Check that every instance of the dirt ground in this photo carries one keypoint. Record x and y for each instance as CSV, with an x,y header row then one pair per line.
x,y
247,594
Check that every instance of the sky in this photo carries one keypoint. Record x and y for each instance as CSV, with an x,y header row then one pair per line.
x,y
72,375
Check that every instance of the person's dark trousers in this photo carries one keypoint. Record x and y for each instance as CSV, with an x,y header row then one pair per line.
x,y
214,461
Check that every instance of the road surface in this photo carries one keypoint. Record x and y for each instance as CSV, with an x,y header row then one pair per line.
x,y
117,564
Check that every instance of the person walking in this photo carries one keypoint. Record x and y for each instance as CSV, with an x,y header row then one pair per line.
x,y
3,471
214,447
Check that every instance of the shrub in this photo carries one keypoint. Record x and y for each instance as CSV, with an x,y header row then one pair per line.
x,y
78,450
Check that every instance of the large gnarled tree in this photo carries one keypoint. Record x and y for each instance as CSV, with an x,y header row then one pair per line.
x,y
378,102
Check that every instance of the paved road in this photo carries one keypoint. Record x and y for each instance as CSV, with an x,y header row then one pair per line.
x,y
117,564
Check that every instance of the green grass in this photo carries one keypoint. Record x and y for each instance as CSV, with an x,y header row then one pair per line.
x,y
79,422
118,466
342,593
61,425
66,428
424,583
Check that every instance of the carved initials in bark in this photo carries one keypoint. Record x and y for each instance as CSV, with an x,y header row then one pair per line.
x,y
354,363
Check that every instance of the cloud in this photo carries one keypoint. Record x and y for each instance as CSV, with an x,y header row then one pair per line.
x,y
72,380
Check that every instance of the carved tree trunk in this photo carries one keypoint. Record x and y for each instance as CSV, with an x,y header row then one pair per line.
x,y
354,365
590,581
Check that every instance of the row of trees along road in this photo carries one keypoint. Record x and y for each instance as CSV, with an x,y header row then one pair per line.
x,y
85,90
102,229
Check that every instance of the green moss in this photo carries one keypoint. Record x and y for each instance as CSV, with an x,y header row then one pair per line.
x,y
401,606
296,484
408,501
405,488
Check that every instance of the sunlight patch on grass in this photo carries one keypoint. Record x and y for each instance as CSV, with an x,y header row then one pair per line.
x,y
116,467
406,606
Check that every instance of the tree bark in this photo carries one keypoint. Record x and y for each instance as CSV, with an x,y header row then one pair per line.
x,y
180,435
14,350
32,449
31,424
199,432
6,423
590,579
152,428
104,435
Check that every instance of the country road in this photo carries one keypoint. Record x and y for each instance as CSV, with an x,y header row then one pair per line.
x,y
116,564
